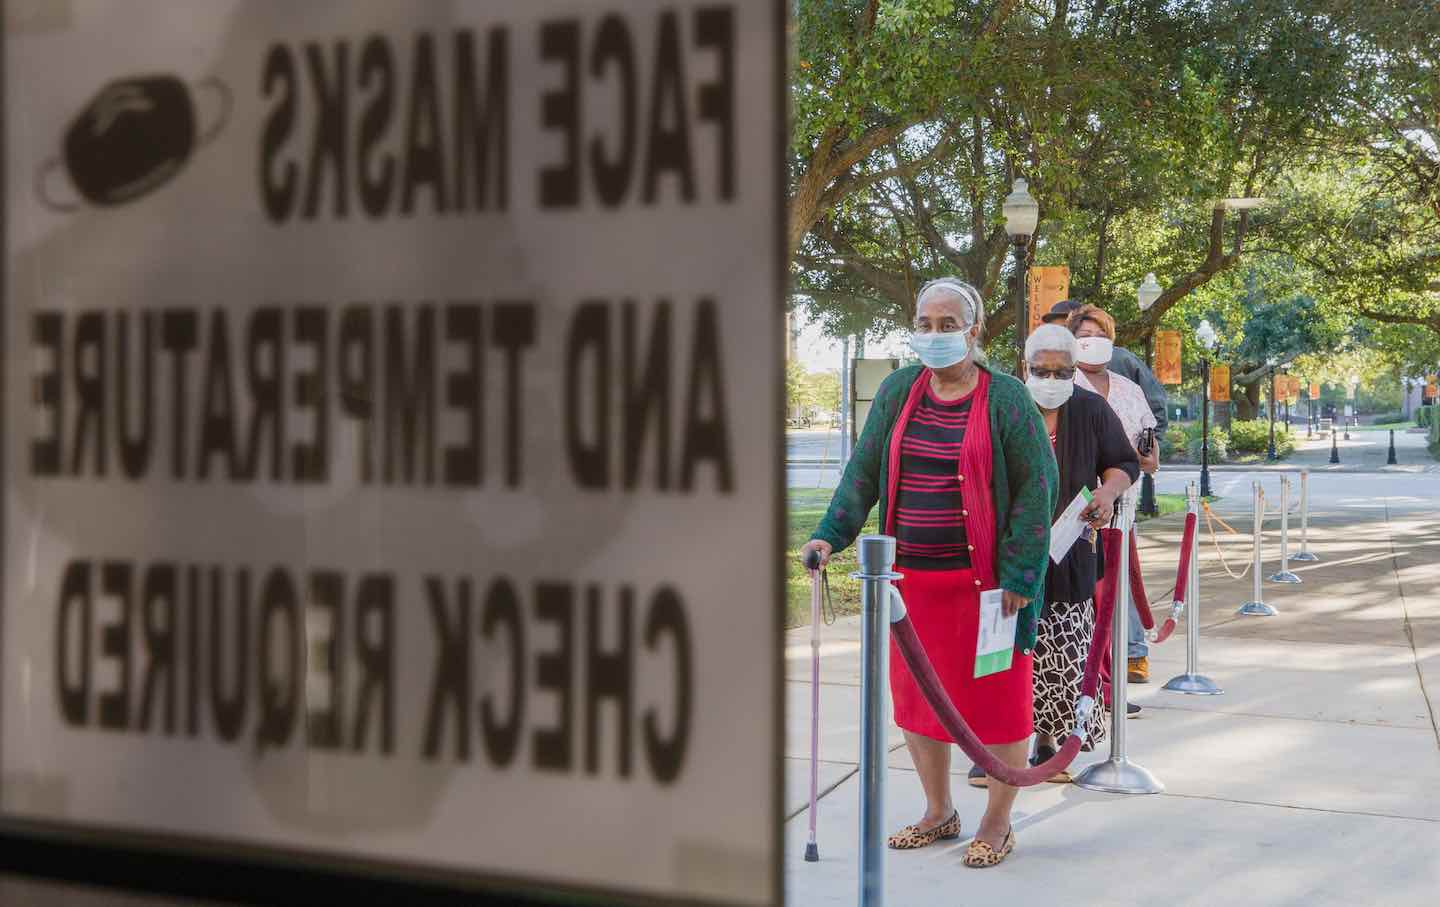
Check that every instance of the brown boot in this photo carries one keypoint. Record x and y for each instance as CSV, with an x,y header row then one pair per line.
x,y
1139,670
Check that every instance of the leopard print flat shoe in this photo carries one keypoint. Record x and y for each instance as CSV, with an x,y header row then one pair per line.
x,y
980,855
911,837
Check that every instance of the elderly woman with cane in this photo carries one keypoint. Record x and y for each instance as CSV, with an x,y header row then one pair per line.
x,y
1095,458
956,457
1094,330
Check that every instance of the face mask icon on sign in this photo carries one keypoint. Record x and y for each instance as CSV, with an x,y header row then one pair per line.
x,y
132,138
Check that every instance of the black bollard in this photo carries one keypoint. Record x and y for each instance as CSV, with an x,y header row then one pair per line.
x,y
1391,461
1148,504
1334,448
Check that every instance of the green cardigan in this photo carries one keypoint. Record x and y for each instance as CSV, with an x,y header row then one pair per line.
x,y
1026,482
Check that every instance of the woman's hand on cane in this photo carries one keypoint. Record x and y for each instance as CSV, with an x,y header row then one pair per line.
x,y
813,548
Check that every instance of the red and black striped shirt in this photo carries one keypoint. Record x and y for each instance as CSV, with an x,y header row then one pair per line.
x,y
929,506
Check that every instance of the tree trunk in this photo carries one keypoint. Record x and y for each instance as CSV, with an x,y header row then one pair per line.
x,y
1247,404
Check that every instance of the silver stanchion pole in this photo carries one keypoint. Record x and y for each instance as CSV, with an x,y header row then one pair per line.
x,y
1304,555
1192,681
1118,775
1256,607
1284,575
877,570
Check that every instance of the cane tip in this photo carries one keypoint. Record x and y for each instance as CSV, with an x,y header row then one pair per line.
x,y
812,853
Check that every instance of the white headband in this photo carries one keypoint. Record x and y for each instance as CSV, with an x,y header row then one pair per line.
x,y
954,287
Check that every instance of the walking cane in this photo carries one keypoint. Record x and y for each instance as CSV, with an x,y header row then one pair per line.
x,y
812,563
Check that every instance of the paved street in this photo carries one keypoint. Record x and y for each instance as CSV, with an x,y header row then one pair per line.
x,y
812,460
1314,779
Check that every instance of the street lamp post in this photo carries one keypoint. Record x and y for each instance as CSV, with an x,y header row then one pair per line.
x,y
1206,335
1350,404
1271,455
1287,399
1145,295
1309,414
1022,215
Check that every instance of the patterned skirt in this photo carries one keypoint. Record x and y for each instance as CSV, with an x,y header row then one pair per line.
x,y
1061,647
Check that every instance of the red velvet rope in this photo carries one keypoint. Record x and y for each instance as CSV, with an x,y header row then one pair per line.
x,y
1182,575
913,651
1137,587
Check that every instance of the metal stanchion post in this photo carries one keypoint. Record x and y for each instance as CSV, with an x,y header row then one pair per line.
x,y
877,563
1391,460
1283,575
1118,775
1256,607
1192,681
1304,554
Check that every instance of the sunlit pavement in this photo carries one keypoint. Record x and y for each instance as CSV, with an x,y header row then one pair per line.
x,y
1314,779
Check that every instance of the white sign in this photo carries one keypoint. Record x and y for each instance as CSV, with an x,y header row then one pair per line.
x,y
392,429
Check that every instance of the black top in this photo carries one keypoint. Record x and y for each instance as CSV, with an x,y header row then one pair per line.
x,y
1090,439
929,509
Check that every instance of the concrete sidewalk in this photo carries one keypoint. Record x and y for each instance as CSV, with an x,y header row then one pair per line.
x,y
1314,779
1364,452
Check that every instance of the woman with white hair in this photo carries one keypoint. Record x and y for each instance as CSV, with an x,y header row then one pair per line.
x,y
955,456
1093,453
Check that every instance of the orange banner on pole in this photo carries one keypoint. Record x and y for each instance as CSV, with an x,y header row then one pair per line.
x,y
1048,285
1432,386
1314,390
1167,357
1292,388
1220,383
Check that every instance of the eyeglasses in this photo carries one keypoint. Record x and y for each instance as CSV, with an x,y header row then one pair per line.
x,y
1063,373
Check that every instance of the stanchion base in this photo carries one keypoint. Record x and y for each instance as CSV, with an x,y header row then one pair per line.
x,y
1304,557
1284,576
1257,609
1194,684
1115,777
812,853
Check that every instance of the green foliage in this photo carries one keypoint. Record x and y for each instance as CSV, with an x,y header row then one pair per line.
x,y
810,393
1434,444
1182,441
796,392
1219,448
1129,120
807,506
1253,436
1425,416
1172,443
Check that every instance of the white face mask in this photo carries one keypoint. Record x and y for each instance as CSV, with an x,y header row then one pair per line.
x,y
940,350
1096,350
1050,393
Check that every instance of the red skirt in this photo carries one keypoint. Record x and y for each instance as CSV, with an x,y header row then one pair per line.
x,y
944,607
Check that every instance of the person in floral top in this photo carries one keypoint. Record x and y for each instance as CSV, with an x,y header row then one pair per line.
x,y
1094,329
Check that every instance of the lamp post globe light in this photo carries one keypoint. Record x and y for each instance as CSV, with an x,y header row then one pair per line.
x,y
1270,455
1205,334
1146,294
1022,215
